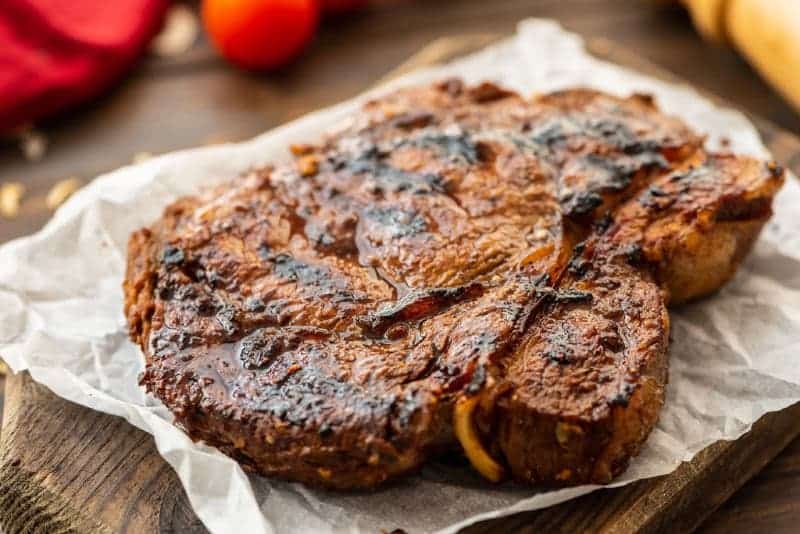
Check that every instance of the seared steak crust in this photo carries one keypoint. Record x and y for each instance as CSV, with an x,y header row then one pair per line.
x,y
455,264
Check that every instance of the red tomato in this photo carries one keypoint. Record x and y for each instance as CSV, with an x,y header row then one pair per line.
x,y
260,34
335,7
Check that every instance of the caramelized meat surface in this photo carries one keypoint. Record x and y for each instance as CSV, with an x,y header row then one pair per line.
x,y
455,267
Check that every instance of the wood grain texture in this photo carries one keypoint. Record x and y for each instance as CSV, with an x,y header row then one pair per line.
x,y
769,503
2,396
64,468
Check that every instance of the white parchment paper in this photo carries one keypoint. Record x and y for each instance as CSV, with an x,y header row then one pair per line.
x,y
733,358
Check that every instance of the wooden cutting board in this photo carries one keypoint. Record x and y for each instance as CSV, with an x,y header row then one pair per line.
x,y
65,468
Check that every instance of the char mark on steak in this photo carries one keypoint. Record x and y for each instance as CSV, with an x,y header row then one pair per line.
x,y
457,266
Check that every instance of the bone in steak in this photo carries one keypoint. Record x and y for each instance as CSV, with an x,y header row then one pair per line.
x,y
457,268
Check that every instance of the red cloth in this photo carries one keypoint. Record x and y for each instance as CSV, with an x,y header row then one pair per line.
x,y
57,53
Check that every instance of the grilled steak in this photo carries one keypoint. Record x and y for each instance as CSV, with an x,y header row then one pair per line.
x,y
455,267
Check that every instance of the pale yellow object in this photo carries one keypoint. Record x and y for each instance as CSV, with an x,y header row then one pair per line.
x,y
61,192
139,157
10,199
708,17
464,429
765,32
179,32
33,144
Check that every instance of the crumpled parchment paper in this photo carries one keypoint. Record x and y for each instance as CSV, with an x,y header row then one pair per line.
x,y
733,356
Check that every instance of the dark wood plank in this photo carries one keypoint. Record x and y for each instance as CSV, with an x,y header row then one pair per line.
x,y
770,502
66,468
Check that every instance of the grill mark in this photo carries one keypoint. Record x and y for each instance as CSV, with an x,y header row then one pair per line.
x,y
262,346
383,177
630,155
459,146
396,221
559,130
617,175
321,280
302,397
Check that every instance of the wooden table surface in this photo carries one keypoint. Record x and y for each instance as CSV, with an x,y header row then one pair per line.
x,y
196,99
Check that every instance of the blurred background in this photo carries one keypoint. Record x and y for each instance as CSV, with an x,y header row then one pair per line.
x,y
87,86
